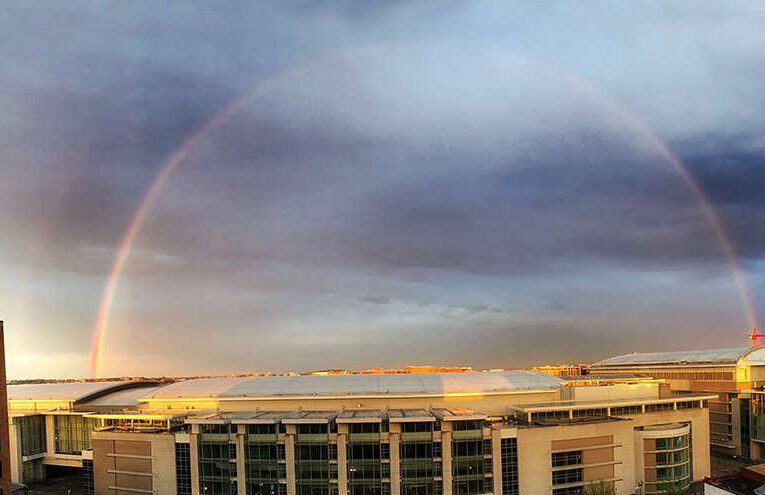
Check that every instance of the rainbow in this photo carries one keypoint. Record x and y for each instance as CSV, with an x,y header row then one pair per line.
x,y
177,157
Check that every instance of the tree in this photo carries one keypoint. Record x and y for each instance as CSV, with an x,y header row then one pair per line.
x,y
598,488
678,488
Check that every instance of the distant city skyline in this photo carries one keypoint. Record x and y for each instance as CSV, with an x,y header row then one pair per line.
x,y
360,185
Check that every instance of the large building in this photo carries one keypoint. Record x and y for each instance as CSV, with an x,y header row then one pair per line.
x,y
512,432
5,457
735,375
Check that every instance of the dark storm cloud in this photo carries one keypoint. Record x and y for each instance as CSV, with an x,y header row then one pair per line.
x,y
403,171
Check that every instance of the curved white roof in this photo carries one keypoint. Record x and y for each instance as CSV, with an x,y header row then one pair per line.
x,y
74,392
122,398
358,385
731,355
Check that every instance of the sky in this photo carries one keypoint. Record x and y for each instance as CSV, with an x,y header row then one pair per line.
x,y
483,184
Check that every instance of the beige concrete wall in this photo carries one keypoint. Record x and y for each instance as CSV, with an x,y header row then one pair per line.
x,y
137,461
446,458
535,446
289,456
395,458
342,461
613,392
14,452
241,474
699,420
194,458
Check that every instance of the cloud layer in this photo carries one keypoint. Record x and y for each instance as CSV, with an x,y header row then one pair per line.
x,y
407,183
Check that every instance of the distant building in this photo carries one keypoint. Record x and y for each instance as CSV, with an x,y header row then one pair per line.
x,y
511,432
749,481
563,369
735,375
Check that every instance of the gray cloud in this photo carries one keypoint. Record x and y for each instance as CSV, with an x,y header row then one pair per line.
x,y
407,172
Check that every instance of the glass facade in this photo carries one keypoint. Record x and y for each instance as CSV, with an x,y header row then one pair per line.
x,y
183,468
313,470
417,458
510,466
364,459
32,434
566,476
672,464
467,458
73,433
32,471
217,460
87,477
265,474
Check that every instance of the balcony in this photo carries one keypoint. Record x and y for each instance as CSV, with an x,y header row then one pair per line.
x,y
417,436
364,437
214,437
261,438
467,435
312,438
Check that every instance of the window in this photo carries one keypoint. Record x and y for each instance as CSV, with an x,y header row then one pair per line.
x,y
574,490
659,407
467,425
73,433
35,471
364,428
416,427
467,465
625,410
217,472
469,486
567,476
590,413
509,449
312,428
312,468
417,466
87,476
183,468
567,458
672,443
265,429
32,432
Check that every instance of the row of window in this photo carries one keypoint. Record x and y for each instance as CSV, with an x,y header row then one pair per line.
x,y
615,411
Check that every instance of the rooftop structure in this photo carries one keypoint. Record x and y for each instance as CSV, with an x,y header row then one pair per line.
x,y
330,386
732,355
71,392
470,433
736,375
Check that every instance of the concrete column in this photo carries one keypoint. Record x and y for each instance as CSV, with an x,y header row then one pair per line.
x,y
446,456
14,451
194,459
736,424
342,459
289,456
241,453
395,458
496,459
50,435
